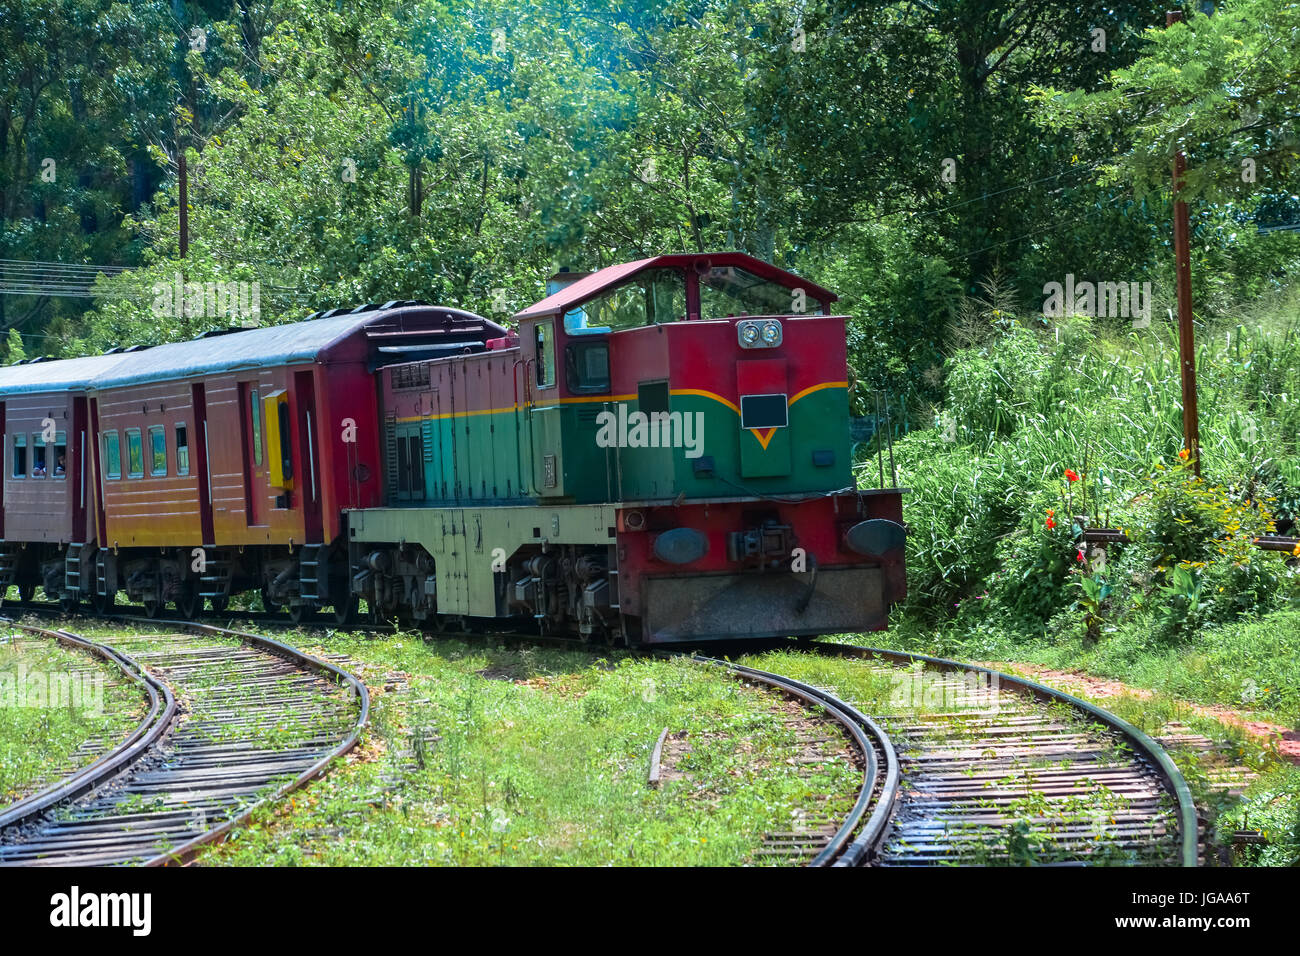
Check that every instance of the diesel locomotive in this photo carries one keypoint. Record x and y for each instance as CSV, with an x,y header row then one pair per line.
x,y
655,452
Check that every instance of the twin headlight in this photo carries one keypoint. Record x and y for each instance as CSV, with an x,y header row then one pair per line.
x,y
759,333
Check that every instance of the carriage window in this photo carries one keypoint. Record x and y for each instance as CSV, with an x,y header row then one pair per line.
x,y
286,453
651,298
112,455
182,450
545,339
20,456
256,402
134,454
157,450
40,466
727,290
61,455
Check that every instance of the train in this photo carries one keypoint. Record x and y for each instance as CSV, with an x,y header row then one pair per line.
x,y
656,452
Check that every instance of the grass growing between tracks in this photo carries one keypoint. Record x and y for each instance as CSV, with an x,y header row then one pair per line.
x,y
517,754
47,730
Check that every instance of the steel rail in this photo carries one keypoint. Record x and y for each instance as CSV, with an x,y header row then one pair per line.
x,y
855,841
157,724
187,851
158,720
1163,765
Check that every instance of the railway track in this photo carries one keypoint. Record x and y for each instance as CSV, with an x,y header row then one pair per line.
x,y
821,840
1001,770
235,720
997,769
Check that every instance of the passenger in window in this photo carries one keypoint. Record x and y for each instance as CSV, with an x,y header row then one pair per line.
x,y
59,469
38,469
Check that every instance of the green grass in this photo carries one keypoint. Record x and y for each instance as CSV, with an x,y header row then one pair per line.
x,y
39,744
518,755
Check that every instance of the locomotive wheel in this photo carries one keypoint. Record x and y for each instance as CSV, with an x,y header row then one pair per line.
x,y
26,592
68,604
301,612
151,607
346,613
102,603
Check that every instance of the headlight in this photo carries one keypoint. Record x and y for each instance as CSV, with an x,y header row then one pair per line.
x,y
749,334
771,333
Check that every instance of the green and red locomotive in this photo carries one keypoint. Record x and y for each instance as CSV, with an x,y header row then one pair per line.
x,y
660,452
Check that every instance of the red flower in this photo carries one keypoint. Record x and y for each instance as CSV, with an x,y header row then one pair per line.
x,y
1183,454
1071,475
1050,522
1081,556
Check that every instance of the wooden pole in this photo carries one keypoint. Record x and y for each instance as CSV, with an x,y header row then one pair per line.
x,y
184,183
1183,271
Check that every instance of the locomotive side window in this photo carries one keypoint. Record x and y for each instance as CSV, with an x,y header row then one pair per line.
x,y
727,290
20,456
586,366
256,402
39,469
134,454
112,455
650,298
545,340
182,450
157,451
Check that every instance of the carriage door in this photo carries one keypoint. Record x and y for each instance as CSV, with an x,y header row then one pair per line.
x,y
77,470
5,441
254,446
196,447
309,435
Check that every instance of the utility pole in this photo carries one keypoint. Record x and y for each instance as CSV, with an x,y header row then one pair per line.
x,y
183,181
1183,271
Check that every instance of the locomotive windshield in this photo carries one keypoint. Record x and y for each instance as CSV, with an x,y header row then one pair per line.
x,y
650,298
728,290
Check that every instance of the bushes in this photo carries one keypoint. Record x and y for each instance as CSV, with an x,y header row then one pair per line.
x,y
1027,404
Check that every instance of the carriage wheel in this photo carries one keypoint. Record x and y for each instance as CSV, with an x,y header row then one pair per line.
x,y
26,592
346,613
189,604
102,603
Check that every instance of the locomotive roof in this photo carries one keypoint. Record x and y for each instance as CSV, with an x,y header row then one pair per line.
x,y
269,346
596,282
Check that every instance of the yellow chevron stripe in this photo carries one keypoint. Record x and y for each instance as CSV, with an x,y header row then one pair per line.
x,y
704,393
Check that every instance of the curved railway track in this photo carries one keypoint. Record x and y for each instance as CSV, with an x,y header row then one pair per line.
x,y
236,720
855,839
1004,770
999,769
